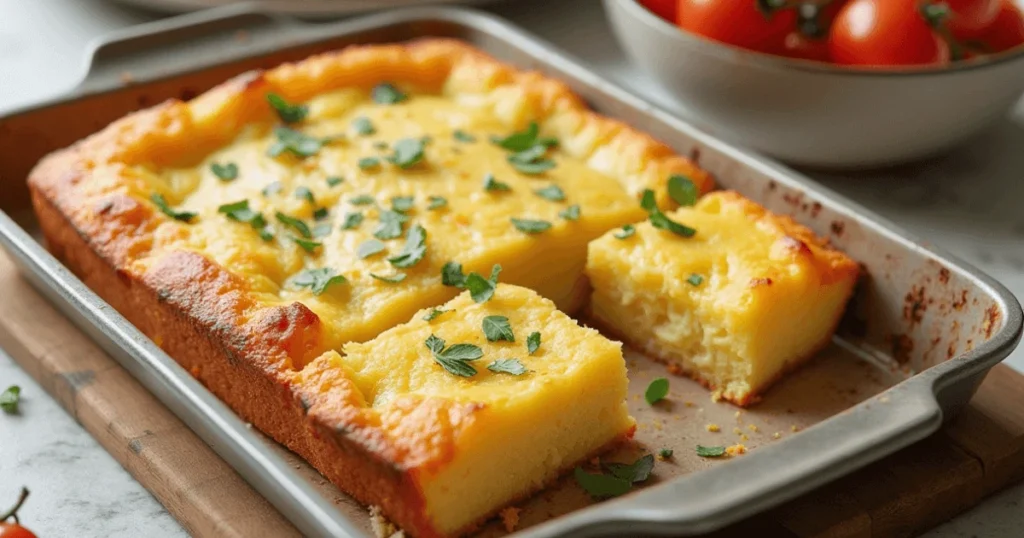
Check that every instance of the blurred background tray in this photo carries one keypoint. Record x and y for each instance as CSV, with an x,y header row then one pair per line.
x,y
312,8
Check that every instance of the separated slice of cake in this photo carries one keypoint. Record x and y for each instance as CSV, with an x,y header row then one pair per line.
x,y
728,292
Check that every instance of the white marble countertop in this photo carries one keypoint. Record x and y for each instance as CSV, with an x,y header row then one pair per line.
x,y
967,202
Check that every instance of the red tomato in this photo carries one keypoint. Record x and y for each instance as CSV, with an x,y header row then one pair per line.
x,y
884,33
665,9
1004,33
736,22
971,15
797,45
13,530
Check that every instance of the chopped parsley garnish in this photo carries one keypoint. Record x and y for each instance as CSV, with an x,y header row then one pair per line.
x,y
551,192
480,288
295,223
387,94
318,280
529,151
367,163
695,279
452,275
321,213
303,193
166,209
362,199
491,184
390,226
288,112
531,161
710,451
620,479
391,279
9,399
530,226
272,188
436,202
507,366
351,221
463,136
454,358
665,453
570,213
682,190
660,220
498,328
656,391
532,343
334,181
380,144
638,471
239,211
414,250
224,172
369,248
407,152
363,126
524,140
307,244
321,230
626,232
402,204
294,142
434,313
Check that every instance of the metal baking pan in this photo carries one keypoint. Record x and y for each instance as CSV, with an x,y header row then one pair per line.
x,y
920,335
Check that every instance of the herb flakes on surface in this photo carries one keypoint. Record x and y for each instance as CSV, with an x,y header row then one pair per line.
x,y
386,93
294,142
295,224
493,185
288,112
531,226
391,279
166,209
552,192
625,232
351,221
507,366
414,250
436,202
682,190
532,343
660,220
369,248
318,280
363,126
390,226
407,152
570,213
455,358
225,172
656,391
710,451
434,314
498,328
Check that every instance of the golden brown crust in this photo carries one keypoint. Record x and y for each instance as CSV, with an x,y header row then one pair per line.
x,y
98,223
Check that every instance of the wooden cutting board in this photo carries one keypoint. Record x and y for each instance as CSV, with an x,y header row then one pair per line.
x,y
915,489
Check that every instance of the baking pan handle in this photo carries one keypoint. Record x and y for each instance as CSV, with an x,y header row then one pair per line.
x,y
150,50
742,488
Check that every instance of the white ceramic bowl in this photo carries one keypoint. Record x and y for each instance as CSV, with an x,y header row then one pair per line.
x,y
815,114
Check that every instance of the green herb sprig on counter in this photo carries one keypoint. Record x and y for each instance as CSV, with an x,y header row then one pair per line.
x,y
10,398
656,391
618,481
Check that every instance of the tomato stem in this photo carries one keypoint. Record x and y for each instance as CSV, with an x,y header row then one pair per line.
x,y
13,512
937,15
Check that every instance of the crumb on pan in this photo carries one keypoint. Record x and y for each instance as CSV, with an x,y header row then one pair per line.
x,y
743,437
716,396
510,518
688,403
776,435
735,450
712,428
382,528
737,431
737,415
752,427
794,428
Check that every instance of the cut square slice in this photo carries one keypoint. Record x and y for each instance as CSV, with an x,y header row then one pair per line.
x,y
473,410
748,297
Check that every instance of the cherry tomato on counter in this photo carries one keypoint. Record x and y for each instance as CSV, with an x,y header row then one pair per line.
x,y
737,22
665,9
971,15
13,530
885,33
1004,33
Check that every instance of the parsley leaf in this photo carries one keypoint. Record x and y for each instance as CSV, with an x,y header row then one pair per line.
x,y
570,213
386,93
434,313
392,279
492,185
9,399
601,486
303,193
351,221
166,209
532,343
407,152
318,280
288,112
452,275
454,359
402,204
295,223
626,232
272,188
307,244
363,126
321,213
294,142
481,289
498,328
507,366
551,192
665,453
638,471
369,248
530,226
321,230
390,226
368,163
463,136
660,220
362,199
695,280
240,212
656,391
710,451
682,190
524,140
436,202
531,161
414,250
334,181
224,172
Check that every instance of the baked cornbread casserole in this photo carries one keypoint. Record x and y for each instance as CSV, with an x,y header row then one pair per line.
x,y
749,296
321,245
